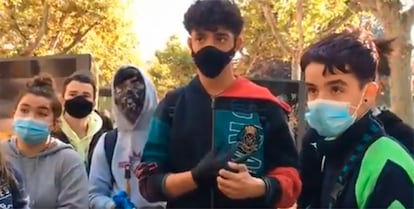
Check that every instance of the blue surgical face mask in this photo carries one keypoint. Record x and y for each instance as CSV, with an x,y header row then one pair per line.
x,y
31,131
329,118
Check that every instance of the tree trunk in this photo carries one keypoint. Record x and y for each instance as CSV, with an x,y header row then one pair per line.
x,y
400,82
295,69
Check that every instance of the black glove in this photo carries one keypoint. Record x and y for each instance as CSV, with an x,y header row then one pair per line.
x,y
206,171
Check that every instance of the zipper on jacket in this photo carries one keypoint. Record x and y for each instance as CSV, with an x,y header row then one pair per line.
x,y
213,106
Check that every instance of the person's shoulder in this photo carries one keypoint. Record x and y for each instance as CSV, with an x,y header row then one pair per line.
x,y
65,152
8,146
385,150
245,88
13,171
174,94
170,99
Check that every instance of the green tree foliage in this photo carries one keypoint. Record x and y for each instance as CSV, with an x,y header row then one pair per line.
x,y
46,27
280,30
173,66
397,20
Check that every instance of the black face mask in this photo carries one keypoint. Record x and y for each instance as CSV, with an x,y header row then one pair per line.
x,y
78,107
211,61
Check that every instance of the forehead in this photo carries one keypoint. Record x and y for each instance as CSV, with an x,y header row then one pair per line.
x,y
31,100
131,81
79,87
315,74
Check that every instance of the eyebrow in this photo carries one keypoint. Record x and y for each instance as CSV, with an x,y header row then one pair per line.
x,y
73,91
40,107
82,92
310,84
336,82
25,105
221,34
43,108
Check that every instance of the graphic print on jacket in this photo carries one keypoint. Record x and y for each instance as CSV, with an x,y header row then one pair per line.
x,y
246,118
6,199
243,133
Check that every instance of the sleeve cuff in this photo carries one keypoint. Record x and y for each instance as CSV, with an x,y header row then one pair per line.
x,y
285,186
109,204
160,192
273,191
163,185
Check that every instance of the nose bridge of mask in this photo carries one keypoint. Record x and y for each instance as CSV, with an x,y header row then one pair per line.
x,y
32,124
330,107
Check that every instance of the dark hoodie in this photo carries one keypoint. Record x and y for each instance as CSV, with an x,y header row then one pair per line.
x,y
202,123
381,176
396,128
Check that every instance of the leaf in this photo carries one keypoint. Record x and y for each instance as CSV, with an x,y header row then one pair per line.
x,y
102,28
271,32
173,66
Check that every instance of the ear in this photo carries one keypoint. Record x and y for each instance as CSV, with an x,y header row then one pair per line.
x,y
190,44
239,43
61,99
371,93
56,124
12,114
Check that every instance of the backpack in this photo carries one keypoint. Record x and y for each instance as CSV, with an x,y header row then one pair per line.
x,y
112,136
109,146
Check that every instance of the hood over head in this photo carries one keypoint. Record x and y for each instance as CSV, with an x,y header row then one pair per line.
x,y
134,98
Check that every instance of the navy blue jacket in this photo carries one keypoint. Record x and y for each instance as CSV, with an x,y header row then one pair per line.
x,y
12,193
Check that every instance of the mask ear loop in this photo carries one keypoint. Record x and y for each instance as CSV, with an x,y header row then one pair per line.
x,y
364,100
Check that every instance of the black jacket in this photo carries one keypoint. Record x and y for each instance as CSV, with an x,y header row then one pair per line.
x,y
396,128
382,175
176,144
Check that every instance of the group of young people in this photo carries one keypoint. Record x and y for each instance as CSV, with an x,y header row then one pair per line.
x,y
220,141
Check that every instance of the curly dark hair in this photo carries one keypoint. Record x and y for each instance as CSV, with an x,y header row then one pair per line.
x,y
351,52
210,14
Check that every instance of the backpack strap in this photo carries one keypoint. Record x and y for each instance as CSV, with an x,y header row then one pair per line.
x,y
174,97
91,149
109,147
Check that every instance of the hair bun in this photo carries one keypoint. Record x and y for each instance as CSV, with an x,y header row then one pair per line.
x,y
41,81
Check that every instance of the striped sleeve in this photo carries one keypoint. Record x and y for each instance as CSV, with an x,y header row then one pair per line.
x,y
281,159
154,167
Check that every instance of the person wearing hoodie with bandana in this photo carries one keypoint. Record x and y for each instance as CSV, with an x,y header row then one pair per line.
x,y
53,174
81,126
134,100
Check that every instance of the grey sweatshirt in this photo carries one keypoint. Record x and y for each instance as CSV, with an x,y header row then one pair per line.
x,y
54,179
